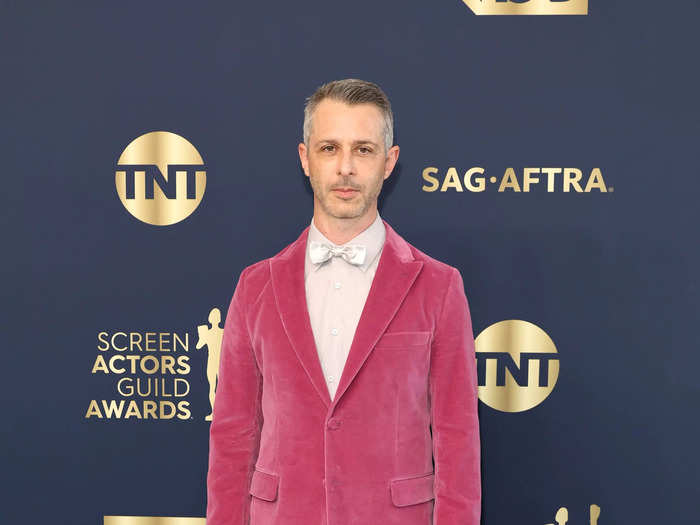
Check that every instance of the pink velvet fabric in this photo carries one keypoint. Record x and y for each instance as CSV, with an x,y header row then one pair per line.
x,y
399,444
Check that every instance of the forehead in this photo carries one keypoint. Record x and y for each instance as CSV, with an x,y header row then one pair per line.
x,y
336,119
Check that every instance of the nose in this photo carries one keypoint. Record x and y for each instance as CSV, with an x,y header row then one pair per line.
x,y
346,165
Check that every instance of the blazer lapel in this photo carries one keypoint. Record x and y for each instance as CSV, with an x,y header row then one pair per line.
x,y
287,274
396,272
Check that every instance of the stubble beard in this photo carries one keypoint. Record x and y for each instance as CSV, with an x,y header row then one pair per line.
x,y
340,209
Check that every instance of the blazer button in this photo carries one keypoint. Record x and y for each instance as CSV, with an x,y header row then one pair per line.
x,y
333,423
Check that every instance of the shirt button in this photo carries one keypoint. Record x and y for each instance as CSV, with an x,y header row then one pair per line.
x,y
330,378
337,285
334,331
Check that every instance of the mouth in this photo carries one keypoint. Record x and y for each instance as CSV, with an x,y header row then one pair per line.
x,y
345,192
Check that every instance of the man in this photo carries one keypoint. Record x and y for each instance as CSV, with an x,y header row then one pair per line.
x,y
347,384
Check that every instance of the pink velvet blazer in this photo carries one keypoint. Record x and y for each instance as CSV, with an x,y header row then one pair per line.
x,y
399,444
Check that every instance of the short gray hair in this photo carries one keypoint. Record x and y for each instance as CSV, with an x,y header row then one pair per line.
x,y
351,91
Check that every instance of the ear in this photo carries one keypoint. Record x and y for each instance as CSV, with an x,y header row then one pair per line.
x,y
391,157
303,157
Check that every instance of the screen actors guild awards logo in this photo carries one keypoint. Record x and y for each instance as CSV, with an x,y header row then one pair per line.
x,y
211,337
528,7
517,365
160,178
149,372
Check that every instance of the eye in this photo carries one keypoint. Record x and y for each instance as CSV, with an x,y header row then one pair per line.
x,y
365,150
327,147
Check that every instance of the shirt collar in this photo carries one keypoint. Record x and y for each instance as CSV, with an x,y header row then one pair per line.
x,y
372,237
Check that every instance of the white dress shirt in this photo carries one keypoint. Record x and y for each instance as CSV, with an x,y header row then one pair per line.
x,y
336,292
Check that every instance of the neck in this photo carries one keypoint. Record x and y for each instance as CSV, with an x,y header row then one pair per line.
x,y
341,230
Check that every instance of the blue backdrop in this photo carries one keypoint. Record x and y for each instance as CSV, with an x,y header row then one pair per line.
x,y
610,276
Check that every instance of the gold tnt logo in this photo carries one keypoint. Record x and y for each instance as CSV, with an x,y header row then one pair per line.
x,y
171,163
528,7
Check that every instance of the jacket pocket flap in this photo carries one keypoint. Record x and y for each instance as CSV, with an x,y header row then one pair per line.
x,y
409,491
264,485
404,339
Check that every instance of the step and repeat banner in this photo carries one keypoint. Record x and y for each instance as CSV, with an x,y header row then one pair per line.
x,y
548,151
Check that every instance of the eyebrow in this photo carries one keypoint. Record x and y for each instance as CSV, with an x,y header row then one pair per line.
x,y
355,143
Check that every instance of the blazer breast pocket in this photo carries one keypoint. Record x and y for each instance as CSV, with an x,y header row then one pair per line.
x,y
406,340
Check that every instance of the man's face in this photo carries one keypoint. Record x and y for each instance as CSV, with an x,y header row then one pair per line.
x,y
346,152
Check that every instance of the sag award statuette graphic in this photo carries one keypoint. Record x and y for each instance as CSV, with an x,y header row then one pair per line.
x,y
517,365
160,178
211,337
562,517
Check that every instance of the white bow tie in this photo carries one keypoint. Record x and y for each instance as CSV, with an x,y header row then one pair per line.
x,y
352,253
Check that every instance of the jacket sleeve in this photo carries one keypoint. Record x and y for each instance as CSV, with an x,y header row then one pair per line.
x,y
234,436
453,412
